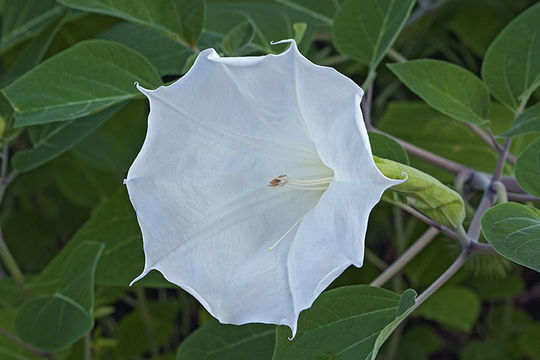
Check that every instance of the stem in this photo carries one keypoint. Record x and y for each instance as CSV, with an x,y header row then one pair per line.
x,y
11,265
14,339
490,141
369,78
445,164
428,221
423,10
489,196
521,197
456,265
407,256
374,259
87,347
366,109
396,56
147,320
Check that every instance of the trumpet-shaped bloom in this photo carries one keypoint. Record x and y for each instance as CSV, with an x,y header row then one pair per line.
x,y
255,183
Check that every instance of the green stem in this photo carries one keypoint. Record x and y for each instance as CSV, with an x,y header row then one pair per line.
x,y
396,56
11,265
369,78
147,320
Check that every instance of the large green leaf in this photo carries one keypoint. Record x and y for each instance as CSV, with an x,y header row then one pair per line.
x,y
33,53
57,138
528,169
133,329
215,341
344,323
482,350
387,148
527,122
181,20
454,307
84,79
322,10
167,56
514,231
271,22
237,38
23,19
114,224
450,89
435,199
73,277
52,323
364,30
110,148
511,66
429,129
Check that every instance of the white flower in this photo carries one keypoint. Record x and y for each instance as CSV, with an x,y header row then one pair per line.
x,y
254,184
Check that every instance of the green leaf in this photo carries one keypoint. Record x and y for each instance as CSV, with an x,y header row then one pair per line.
x,y
345,323
181,20
215,341
110,148
33,53
167,55
57,138
528,169
84,79
365,30
421,125
23,19
322,10
406,302
527,122
435,199
52,323
73,277
498,288
385,147
133,329
482,350
514,231
114,224
450,89
528,339
452,306
238,37
271,22
511,67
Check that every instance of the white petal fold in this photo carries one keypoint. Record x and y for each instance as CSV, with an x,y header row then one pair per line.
x,y
215,139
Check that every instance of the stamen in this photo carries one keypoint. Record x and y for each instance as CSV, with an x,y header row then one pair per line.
x,y
287,233
301,184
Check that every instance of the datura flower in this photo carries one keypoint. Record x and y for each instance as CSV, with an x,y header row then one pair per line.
x,y
254,184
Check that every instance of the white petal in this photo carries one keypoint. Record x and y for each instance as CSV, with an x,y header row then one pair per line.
x,y
199,185
330,239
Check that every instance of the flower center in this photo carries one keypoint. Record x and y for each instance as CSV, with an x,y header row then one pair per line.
x,y
301,184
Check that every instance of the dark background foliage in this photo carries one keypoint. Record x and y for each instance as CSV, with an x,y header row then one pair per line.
x,y
69,193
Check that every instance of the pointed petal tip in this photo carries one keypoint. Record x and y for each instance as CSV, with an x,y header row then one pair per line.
x,y
143,274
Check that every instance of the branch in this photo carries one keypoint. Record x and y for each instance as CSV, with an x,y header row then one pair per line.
x,y
428,221
22,344
407,256
456,265
489,139
12,266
